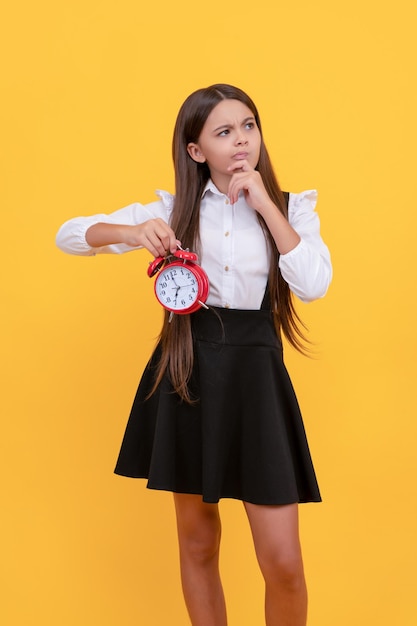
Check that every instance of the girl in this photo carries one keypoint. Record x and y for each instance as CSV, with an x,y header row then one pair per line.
x,y
215,415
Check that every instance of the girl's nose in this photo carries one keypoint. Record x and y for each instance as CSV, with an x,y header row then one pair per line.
x,y
241,139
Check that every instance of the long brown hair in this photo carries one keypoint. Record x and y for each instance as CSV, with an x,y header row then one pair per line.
x,y
190,179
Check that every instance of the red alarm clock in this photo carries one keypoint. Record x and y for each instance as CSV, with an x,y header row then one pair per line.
x,y
181,285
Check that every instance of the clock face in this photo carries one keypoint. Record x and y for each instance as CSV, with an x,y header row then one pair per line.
x,y
177,287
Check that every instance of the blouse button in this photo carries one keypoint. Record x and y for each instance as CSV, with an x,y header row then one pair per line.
x,y
227,305
226,234
226,201
226,268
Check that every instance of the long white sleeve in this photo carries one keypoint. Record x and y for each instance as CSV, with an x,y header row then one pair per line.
x,y
71,235
307,268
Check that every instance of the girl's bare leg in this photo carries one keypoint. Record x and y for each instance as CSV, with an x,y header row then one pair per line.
x,y
199,532
277,545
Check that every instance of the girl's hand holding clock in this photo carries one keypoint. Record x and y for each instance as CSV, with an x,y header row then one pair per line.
x,y
155,235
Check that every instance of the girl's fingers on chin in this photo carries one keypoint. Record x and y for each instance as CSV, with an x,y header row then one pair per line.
x,y
233,193
240,166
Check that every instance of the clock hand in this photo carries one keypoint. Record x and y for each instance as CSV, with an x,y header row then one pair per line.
x,y
173,279
177,288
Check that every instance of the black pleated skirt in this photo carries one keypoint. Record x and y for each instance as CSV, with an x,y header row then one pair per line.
x,y
243,438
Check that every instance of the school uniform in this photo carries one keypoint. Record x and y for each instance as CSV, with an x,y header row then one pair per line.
x,y
243,437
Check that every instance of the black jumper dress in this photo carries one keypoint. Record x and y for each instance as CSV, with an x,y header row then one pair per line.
x,y
243,438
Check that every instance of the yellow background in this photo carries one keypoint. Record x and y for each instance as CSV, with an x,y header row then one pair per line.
x,y
90,91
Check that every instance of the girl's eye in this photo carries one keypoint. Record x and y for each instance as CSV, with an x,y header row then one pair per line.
x,y
224,132
250,125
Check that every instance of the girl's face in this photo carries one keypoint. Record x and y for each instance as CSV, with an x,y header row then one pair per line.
x,y
229,135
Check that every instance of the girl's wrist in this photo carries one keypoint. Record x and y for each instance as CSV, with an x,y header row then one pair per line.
x,y
123,232
268,208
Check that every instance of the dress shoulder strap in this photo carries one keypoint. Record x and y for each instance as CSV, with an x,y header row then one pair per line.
x,y
266,302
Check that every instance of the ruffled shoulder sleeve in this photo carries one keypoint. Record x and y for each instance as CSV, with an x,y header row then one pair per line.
x,y
167,200
301,207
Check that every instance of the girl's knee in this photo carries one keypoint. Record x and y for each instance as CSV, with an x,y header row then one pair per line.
x,y
199,531
202,544
284,569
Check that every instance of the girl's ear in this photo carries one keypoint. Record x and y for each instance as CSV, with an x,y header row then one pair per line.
x,y
195,153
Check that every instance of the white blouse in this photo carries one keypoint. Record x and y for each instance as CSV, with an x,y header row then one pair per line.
x,y
234,249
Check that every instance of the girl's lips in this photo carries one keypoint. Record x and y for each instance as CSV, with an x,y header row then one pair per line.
x,y
240,156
